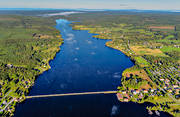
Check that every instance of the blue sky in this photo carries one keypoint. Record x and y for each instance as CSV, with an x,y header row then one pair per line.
x,y
93,4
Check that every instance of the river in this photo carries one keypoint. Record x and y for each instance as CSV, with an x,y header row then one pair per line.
x,y
84,64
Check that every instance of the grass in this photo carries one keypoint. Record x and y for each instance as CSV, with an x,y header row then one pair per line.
x,y
169,49
168,41
136,71
140,50
169,37
141,61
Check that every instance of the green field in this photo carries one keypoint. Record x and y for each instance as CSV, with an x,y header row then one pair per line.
x,y
170,49
141,61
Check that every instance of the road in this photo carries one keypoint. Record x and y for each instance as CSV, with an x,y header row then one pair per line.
x,y
71,94
7,105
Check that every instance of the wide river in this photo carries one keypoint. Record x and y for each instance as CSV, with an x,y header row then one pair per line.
x,y
84,64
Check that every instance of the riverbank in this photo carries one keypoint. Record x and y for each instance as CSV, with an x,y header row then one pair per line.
x,y
31,43
137,83
83,65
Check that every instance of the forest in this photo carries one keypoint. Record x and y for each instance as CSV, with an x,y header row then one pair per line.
x,y
27,44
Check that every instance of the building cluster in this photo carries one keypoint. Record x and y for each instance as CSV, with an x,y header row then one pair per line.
x,y
167,79
6,100
6,105
127,95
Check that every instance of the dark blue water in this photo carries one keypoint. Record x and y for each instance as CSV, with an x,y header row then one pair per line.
x,y
83,64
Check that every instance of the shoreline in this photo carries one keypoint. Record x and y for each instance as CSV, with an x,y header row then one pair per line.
x,y
41,69
107,44
36,77
50,59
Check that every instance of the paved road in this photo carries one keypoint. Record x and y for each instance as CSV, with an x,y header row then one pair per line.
x,y
6,94
7,105
72,94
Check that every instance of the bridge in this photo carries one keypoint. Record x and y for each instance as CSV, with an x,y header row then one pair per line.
x,y
71,94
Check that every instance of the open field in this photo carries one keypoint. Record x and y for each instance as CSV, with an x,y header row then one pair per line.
x,y
140,50
162,27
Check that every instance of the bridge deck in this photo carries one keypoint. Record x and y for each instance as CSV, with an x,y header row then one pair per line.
x,y
71,94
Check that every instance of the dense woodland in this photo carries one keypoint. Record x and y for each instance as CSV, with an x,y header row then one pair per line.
x,y
27,44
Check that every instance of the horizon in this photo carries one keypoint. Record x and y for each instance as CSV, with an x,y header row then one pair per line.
x,y
94,4
79,9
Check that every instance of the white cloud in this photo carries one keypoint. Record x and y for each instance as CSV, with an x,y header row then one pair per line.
x,y
114,110
75,59
77,48
89,42
93,53
117,75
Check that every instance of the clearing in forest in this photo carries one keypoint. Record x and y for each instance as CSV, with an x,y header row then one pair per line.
x,y
140,50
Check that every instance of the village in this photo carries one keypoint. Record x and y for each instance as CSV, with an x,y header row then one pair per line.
x,y
9,97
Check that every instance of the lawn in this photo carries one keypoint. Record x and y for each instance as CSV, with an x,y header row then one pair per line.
x,y
140,50
141,61
170,49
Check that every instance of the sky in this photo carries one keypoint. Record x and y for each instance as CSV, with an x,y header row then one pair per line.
x,y
94,4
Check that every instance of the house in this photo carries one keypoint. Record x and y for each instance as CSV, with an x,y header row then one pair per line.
x,y
126,100
177,91
141,96
134,92
128,76
161,79
123,92
137,91
175,86
126,95
9,65
170,90
119,96
167,80
130,96
4,102
145,91
177,46
152,90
